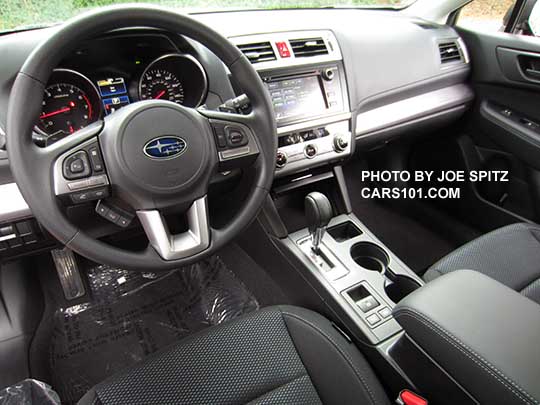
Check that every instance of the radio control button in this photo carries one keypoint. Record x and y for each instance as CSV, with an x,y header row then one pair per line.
x,y
328,74
310,151
281,159
340,143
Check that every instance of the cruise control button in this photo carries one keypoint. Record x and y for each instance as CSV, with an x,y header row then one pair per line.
x,y
80,197
100,193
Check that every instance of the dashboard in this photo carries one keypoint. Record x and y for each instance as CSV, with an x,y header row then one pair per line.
x,y
339,80
105,75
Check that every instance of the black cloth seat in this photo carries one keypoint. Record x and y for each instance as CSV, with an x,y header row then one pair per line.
x,y
278,355
510,255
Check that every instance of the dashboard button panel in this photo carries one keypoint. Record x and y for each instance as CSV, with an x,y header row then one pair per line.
x,y
306,148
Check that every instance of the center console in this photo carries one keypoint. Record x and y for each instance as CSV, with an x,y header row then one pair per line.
x,y
310,232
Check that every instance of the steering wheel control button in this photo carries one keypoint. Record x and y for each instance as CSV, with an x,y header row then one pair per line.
x,y
80,197
97,181
77,166
78,185
219,134
99,193
367,304
310,151
235,137
95,158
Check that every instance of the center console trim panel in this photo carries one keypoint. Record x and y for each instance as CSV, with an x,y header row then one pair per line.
x,y
347,275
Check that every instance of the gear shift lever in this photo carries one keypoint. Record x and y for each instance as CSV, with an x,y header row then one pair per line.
x,y
319,213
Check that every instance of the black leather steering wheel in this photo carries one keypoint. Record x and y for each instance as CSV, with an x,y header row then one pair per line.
x,y
149,185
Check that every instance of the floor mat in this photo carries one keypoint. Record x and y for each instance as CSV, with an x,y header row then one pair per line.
x,y
132,315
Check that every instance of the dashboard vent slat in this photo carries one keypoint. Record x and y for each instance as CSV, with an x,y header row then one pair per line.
x,y
258,52
450,52
307,47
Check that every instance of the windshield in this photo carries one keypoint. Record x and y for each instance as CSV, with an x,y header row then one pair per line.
x,y
20,14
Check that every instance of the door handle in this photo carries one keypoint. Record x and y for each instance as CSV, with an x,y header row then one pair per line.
x,y
533,73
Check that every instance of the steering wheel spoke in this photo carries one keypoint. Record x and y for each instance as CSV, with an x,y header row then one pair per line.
x,y
180,246
79,173
235,140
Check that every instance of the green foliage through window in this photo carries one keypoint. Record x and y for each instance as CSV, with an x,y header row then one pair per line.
x,y
28,13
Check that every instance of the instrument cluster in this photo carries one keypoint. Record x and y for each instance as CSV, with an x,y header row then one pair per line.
x,y
73,100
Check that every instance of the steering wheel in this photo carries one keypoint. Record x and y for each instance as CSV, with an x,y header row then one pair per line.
x,y
150,182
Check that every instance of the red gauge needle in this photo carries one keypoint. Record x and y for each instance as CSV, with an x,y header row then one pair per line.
x,y
60,111
161,93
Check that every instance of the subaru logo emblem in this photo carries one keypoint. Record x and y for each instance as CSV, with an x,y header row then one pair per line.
x,y
165,147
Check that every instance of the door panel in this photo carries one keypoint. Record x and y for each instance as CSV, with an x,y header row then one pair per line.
x,y
504,126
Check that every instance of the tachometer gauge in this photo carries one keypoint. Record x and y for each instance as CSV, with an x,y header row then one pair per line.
x,y
179,78
66,108
70,102
163,85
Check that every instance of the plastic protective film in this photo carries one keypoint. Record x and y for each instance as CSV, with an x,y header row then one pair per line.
x,y
132,315
29,392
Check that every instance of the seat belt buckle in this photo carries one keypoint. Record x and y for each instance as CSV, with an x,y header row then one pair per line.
x,y
407,397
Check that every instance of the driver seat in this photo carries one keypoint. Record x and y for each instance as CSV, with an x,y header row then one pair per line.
x,y
278,355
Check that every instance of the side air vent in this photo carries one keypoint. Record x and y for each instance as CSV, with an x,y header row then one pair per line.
x,y
306,47
258,52
450,52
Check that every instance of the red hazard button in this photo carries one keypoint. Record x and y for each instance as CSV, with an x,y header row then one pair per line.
x,y
283,49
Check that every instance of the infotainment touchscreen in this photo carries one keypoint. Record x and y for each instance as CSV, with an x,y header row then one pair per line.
x,y
297,97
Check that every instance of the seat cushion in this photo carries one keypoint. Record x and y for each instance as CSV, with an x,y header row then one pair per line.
x,y
510,255
276,355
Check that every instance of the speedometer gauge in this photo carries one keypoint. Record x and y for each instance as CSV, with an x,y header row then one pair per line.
x,y
163,85
179,78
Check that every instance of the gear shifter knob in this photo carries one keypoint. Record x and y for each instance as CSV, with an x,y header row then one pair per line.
x,y
318,213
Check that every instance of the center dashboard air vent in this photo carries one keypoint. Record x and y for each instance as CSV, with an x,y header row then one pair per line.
x,y
306,47
450,52
258,52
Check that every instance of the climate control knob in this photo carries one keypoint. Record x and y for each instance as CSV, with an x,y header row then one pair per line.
x,y
281,159
310,151
340,143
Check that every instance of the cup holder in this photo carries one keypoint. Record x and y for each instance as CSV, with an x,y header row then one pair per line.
x,y
398,287
370,256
